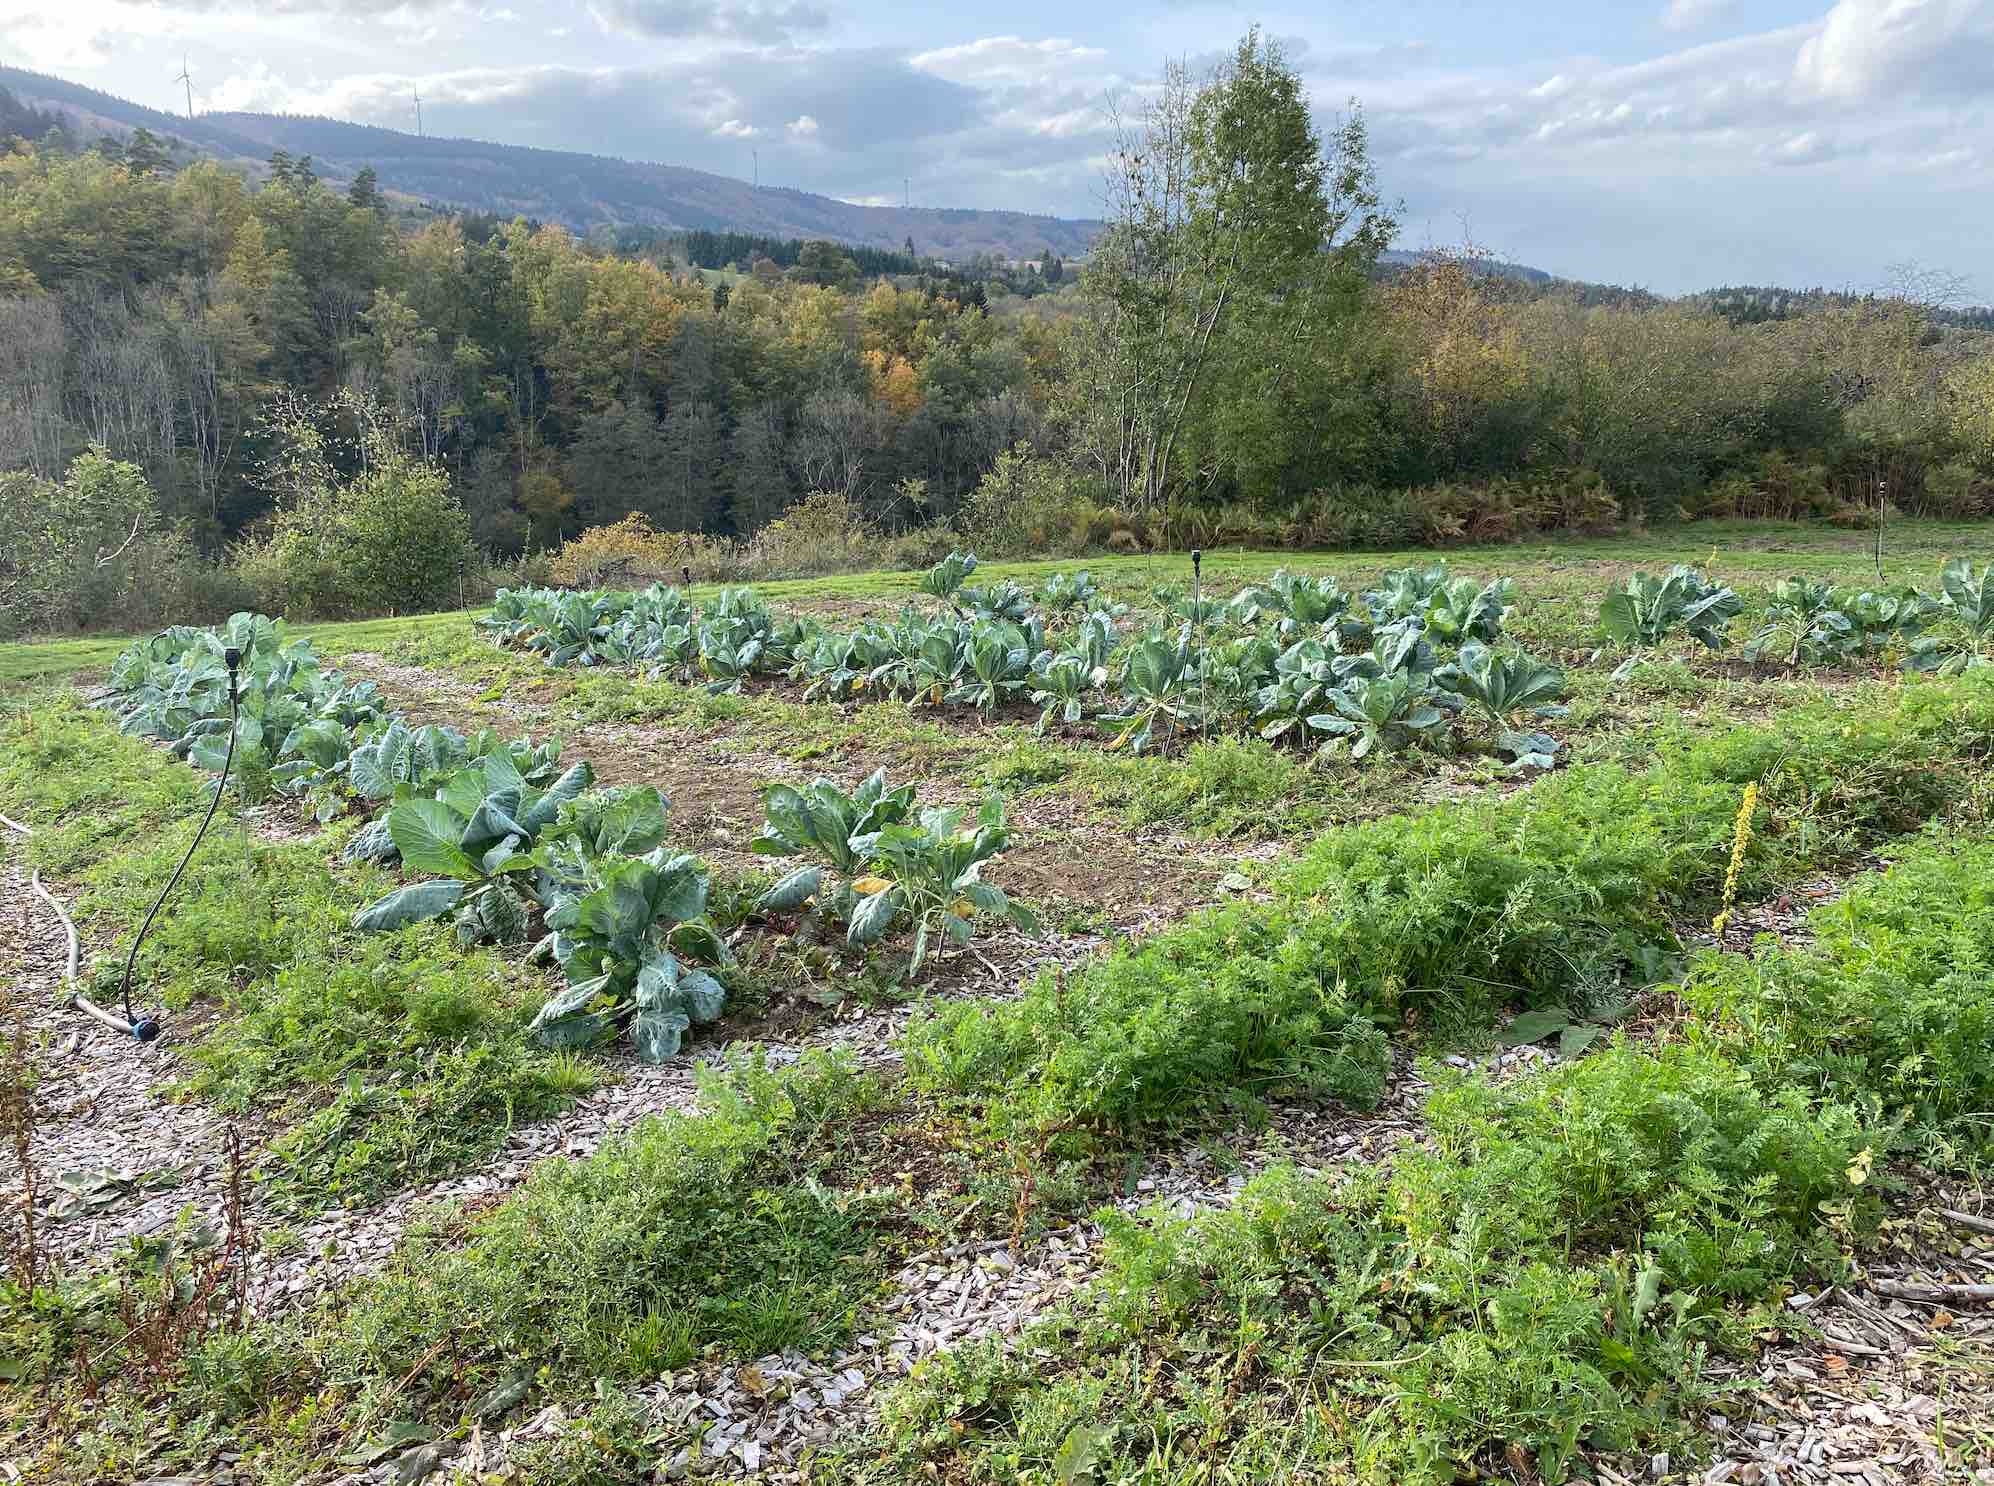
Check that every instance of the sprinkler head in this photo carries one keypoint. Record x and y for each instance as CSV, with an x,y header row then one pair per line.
x,y
146,1029
1197,557
686,573
232,657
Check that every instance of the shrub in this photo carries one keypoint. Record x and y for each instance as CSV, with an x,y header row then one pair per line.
x,y
1956,492
92,551
1031,505
631,553
393,540
822,533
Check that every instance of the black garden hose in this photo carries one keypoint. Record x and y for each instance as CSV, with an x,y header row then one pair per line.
x,y
145,1029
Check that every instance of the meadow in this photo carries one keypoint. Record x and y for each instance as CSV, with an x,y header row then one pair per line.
x,y
1518,1012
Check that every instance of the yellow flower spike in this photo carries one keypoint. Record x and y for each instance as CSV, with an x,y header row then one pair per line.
x,y
865,887
1741,839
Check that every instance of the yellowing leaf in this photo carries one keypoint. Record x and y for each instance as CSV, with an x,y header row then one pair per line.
x,y
865,887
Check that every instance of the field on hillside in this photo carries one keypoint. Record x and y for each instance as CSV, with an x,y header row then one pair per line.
x,y
1340,1021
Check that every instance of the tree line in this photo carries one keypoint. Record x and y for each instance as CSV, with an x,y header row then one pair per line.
x,y
1233,356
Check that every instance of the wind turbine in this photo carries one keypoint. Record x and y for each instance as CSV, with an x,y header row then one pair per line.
x,y
416,93
187,78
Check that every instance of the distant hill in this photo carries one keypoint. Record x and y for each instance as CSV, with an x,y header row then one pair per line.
x,y
1754,304
577,190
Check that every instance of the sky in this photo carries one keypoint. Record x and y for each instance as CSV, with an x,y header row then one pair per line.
x,y
1673,144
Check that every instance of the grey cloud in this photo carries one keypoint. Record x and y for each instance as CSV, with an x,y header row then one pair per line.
x,y
871,109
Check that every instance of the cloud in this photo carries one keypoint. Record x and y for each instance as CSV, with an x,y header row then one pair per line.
x,y
1808,148
1720,153
764,21
1694,15
359,9
1008,60
1868,48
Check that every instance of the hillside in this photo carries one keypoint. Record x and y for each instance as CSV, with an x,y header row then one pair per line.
x,y
575,189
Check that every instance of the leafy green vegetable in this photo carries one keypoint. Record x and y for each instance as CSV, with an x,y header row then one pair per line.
x,y
1504,685
945,577
622,945
822,821
932,872
480,832
1158,684
1967,640
1387,713
1647,610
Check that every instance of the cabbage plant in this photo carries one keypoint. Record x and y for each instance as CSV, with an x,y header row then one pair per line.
x,y
945,577
1293,603
1383,713
1061,685
1067,591
477,836
1967,602
1304,675
930,872
1805,620
839,830
623,940
1505,687
1460,612
999,601
296,724
1158,684
997,666
1647,610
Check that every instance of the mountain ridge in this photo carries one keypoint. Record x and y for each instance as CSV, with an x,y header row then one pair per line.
x,y
574,188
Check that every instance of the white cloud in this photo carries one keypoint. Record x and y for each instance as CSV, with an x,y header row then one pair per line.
x,y
254,91
801,127
1008,60
1693,15
735,129
1807,148
1867,48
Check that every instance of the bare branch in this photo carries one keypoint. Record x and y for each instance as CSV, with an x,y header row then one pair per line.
x,y
104,560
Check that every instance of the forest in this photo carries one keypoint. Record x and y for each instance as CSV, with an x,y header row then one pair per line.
x,y
1239,359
